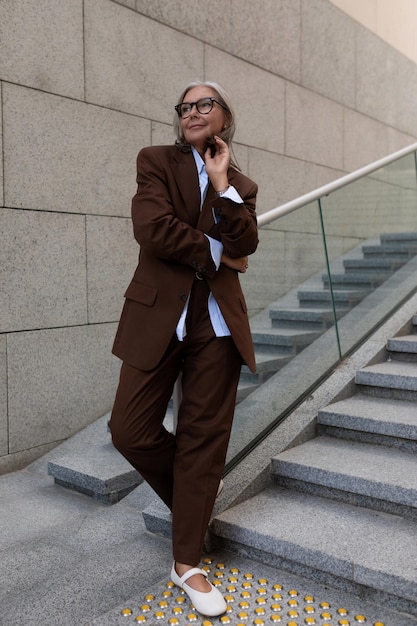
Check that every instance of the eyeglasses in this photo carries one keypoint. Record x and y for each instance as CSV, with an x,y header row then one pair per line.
x,y
203,106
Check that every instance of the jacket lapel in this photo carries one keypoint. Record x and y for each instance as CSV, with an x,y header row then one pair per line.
x,y
186,176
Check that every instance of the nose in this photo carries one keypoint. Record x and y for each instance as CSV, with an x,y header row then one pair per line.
x,y
194,110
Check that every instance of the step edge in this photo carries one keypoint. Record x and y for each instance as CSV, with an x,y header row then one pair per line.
x,y
359,485
331,564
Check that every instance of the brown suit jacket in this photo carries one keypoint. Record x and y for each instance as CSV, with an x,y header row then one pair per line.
x,y
169,228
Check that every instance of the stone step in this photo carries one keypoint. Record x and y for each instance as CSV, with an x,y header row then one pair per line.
x,y
403,348
391,379
399,239
289,339
371,553
313,319
372,420
358,473
388,251
353,280
267,364
92,466
382,265
403,343
345,299
158,519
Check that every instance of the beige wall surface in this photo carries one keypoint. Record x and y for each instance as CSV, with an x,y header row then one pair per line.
x,y
85,84
392,20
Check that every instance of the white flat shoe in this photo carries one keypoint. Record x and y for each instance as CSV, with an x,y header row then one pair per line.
x,y
210,603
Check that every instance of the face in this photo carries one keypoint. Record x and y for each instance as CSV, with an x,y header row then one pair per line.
x,y
198,127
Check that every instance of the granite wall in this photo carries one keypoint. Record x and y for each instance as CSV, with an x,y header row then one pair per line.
x,y
84,84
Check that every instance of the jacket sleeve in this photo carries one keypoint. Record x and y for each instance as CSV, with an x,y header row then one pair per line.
x,y
156,224
237,221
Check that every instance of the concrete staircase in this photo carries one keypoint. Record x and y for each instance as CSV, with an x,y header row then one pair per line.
x,y
342,507
279,334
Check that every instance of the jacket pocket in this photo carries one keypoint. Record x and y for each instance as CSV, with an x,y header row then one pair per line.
x,y
141,293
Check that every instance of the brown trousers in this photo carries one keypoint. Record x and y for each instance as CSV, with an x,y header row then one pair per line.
x,y
184,469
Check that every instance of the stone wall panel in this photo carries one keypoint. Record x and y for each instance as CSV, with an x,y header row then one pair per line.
x,y
328,60
397,140
32,53
405,87
46,371
314,127
134,64
281,179
197,19
265,33
358,153
42,270
162,134
112,254
274,43
63,155
258,100
376,82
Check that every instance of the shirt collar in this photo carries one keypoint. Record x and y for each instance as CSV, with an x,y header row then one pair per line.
x,y
198,160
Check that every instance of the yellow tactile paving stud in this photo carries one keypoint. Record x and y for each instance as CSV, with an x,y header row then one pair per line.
x,y
251,601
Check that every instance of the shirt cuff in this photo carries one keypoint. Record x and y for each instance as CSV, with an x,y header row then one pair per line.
x,y
232,194
216,250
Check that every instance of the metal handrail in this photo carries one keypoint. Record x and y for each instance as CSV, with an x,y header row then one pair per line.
x,y
325,190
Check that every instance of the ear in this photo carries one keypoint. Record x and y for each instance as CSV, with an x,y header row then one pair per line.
x,y
228,120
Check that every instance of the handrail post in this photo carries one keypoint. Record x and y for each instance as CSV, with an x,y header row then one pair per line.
x,y
415,161
330,278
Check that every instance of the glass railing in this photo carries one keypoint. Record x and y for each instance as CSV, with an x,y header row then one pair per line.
x,y
327,273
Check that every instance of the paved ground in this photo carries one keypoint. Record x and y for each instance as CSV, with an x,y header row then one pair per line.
x,y
68,560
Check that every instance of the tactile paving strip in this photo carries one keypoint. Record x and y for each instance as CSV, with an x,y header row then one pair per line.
x,y
251,600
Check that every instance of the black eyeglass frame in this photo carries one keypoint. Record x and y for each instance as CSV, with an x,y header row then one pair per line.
x,y
191,104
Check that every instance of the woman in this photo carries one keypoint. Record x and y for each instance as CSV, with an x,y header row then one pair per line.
x,y
194,218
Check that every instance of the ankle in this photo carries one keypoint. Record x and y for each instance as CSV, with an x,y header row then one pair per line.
x,y
182,568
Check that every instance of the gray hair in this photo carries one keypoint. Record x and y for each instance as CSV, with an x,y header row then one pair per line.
x,y
226,134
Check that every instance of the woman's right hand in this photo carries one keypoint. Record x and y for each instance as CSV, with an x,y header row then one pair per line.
x,y
218,164
240,264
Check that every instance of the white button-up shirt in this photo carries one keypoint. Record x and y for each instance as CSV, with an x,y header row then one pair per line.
x,y
216,249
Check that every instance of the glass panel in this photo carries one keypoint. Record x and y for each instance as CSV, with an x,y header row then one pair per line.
x,y
371,241
372,277
292,327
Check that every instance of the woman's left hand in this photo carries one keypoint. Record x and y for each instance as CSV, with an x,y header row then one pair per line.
x,y
217,165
